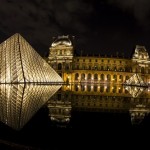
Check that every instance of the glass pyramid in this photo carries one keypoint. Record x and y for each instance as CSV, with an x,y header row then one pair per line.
x,y
19,102
20,63
135,91
135,80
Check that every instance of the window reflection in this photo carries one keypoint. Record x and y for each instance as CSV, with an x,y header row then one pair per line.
x,y
102,77
102,89
82,87
95,88
89,88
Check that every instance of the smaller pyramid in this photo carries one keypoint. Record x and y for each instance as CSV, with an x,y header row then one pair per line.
x,y
135,80
135,91
20,63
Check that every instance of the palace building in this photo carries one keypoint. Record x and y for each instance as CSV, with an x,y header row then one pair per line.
x,y
94,83
96,69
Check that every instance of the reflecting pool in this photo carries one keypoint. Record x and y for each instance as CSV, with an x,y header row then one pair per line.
x,y
41,116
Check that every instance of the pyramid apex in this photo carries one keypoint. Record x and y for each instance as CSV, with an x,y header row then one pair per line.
x,y
17,34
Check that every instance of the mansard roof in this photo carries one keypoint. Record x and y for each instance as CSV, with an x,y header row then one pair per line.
x,y
140,53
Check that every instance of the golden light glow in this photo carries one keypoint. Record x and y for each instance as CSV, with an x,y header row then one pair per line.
x,y
19,102
20,63
135,80
134,90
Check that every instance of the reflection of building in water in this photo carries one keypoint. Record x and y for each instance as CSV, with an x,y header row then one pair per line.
x,y
60,108
104,98
138,113
19,102
96,69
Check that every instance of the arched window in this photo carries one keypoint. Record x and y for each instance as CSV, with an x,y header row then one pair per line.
x,y
108,77
89,76
121,78
59,66
82,76
102,77
76,76
95,77
115,77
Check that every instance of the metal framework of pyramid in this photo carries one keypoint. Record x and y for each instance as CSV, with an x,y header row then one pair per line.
x,y
20,63
135,80
19,102
135,91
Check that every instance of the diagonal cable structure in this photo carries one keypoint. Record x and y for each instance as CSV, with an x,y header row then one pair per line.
x,y
135,80
20,63
20,102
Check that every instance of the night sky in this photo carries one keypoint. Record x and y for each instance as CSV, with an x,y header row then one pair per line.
x,y
99,26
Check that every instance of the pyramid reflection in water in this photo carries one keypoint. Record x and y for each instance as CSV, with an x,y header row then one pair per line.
x,y
135,91
20,63
19,102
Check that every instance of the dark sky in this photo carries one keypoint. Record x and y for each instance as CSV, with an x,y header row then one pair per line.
x,y
99,26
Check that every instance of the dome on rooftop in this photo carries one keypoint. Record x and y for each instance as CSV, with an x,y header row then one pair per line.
x,y
62,40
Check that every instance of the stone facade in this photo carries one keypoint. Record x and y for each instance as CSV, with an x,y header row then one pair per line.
x,y
96,69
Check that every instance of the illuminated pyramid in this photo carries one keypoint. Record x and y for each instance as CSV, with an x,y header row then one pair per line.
x,y
20,63
135,91
20,102
135,80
